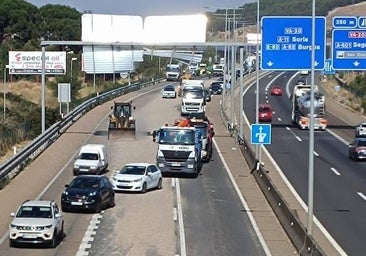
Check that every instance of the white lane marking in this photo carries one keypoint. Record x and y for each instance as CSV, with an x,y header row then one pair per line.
x,y
180,220
316,153
175,214
335,171
279,119
337,137
297,137
362,195
304,206
89,235
245,204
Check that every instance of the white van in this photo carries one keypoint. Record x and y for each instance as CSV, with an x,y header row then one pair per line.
x,y
92,159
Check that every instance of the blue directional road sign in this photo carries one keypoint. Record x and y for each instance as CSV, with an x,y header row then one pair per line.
x,y
261,134
287,41
344,22
349,49
328,69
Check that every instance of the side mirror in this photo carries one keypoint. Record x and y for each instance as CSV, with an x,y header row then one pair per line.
x,y
66,185
58,215
12,214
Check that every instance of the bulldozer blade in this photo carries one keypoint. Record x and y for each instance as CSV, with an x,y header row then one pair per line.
x,y
122,133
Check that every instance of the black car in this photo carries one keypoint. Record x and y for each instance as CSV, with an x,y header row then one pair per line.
x,y
207,93
216,87
357,149
88,192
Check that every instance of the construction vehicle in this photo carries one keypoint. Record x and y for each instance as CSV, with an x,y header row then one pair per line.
x,y
179,150
301,104
205,126
122,123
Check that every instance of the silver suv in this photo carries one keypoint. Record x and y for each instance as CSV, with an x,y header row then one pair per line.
x,y
36,222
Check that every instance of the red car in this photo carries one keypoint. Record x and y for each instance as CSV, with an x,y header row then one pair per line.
x,y
265,113
276,90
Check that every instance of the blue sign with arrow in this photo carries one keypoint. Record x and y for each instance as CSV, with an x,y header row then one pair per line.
x,y
287,43
349,49
261,134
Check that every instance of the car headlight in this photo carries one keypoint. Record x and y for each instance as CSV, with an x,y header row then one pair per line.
x,y
190,166
48,226
93,193
93,167
13,226
76,166
137,180
65,193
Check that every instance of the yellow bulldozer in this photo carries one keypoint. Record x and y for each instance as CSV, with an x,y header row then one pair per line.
x,y
122,123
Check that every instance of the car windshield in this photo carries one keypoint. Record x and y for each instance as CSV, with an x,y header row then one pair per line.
x,y
133,170
34,212
215,86
85,182
264,109
169,88
89,156
361,143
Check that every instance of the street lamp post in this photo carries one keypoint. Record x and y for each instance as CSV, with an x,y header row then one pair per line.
x,y
5,90
72,59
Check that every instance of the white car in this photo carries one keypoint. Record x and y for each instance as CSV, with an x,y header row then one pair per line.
x,y
361,130
169,92
138,177
36,222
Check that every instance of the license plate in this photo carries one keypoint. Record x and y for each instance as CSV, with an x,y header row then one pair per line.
x,y
84,170
175,164
29,236
76,203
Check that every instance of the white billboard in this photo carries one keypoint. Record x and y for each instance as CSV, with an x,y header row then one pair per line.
x,y
30,63
175,29
254,38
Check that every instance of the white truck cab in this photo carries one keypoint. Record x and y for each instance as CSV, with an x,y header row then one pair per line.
x,y
92,159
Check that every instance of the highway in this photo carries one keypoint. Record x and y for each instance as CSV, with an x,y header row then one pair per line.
x,y
339,183
202,216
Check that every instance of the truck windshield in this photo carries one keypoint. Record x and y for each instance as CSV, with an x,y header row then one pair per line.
x,y
172,69
176,136
193,94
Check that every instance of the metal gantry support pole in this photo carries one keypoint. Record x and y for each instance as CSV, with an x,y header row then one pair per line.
x,y
43,90
311,131
241,105
257,146
5,90
225,59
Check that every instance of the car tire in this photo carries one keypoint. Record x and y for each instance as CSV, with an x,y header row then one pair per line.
x,y
111,202
11,243
53,242
160,184
61,233
144,188
98,207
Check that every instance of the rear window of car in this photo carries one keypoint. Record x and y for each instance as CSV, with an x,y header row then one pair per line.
x,y
264,109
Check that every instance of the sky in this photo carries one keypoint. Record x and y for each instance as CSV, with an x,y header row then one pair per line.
x,y
146,7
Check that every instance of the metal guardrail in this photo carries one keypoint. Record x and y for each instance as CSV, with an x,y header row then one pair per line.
x,y
304,243
18,162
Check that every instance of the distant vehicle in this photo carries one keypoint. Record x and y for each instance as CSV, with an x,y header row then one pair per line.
x,y
169,92
300,82
173,72
137,177
92,159
88,192
207,94
216,87
218,70
265,113
357,149
276,90
361,130
36,222
304,72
